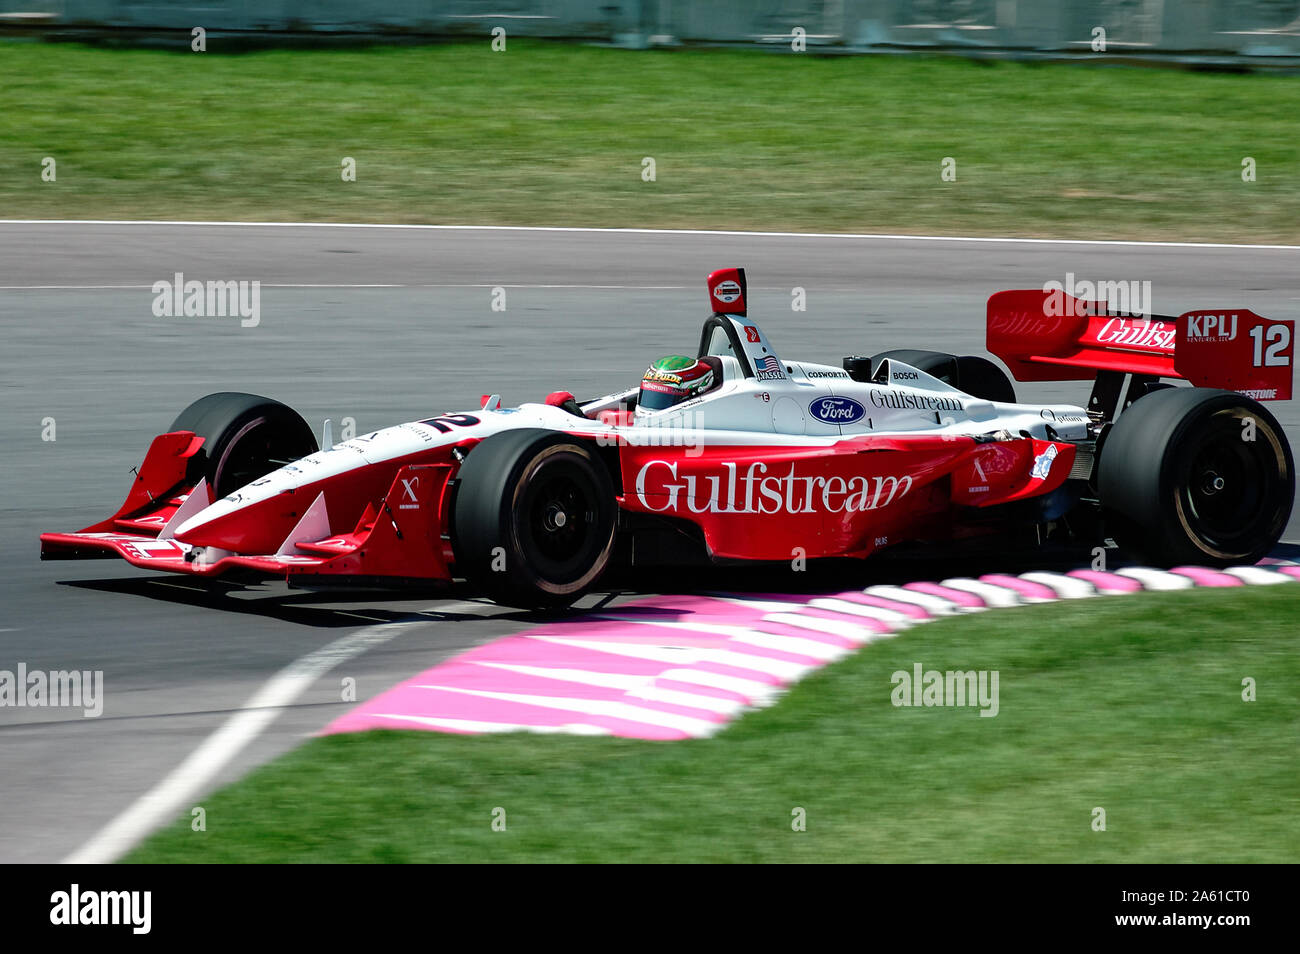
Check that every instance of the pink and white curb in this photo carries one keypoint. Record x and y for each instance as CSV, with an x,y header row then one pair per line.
x,y
678,667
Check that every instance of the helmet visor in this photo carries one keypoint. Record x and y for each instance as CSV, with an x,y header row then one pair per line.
x,y
654,399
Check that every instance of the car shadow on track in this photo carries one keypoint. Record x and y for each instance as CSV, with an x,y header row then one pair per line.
x,y
344,608
332,608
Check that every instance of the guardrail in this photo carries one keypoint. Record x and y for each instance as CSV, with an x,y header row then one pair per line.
x,y
1209,29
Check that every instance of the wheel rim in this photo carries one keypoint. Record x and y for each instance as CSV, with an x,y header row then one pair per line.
x,y
558,521
1227,492
257,448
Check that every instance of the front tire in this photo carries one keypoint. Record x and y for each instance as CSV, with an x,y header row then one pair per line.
x,y
534,518
245,437
1181,481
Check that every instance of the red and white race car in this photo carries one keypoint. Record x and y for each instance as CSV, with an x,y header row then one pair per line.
x,y
741,454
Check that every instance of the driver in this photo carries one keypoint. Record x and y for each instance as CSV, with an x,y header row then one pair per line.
x,y
676,378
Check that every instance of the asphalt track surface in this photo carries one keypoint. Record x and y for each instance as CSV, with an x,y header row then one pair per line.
x,y
384,325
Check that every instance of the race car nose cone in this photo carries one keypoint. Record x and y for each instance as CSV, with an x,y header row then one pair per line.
x,y
250,528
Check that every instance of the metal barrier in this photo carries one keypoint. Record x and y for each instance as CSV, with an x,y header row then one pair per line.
x,y
1207,29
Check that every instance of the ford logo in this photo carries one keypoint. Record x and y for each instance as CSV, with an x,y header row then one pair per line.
x,y
837,410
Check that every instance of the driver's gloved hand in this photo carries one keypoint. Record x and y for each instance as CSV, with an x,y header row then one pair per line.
x,y
565,401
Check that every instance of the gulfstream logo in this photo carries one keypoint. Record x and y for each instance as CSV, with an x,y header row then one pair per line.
x,y
1138,334
756,491
102,907
922,402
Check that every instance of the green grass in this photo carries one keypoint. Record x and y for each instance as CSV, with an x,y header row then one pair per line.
x,y
555,134
1132,704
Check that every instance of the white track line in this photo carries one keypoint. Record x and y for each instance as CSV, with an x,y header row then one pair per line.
x,y
162,803
869,236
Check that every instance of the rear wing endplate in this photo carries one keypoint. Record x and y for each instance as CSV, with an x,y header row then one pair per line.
x,y
1052,336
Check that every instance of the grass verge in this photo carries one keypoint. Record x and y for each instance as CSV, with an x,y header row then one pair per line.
x,y
1130,704
556,134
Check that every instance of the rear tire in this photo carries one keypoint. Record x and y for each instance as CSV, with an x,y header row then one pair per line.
x,y
245,437
1180,484
534,518
978,377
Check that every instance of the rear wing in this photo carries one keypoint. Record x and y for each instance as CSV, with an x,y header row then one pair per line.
x,y
1052,336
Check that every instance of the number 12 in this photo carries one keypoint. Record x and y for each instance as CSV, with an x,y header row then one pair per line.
x,y
1272,357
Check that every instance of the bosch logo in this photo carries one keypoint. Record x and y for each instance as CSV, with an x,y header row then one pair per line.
x,y
837,410
904,376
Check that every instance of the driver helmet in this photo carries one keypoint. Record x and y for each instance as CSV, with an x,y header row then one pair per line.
x,y
674,379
